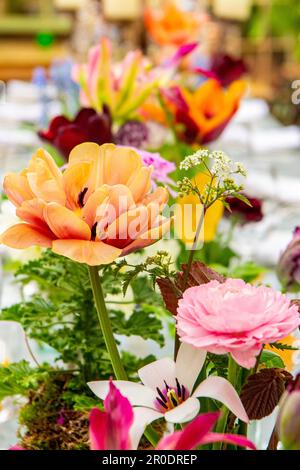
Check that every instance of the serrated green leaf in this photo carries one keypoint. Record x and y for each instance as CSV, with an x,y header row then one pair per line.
x,y
271,359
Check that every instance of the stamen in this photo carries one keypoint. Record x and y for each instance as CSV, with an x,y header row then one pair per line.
x,y
178,388
161,403
94,231
183,392
161,395
81,197
172,396
167,386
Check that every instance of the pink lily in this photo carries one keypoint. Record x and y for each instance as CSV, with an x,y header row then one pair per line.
x,y
168,391
124,86
112,429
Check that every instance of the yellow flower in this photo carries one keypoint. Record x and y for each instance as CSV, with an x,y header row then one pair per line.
x,y
188,212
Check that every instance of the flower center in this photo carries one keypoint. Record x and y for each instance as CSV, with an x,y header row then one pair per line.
x,y
169,398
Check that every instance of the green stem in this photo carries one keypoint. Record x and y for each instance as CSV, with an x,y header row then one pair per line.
x,y
106,325
109,339
222,423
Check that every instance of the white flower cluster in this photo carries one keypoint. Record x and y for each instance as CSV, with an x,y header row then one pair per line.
x,y
197,158
222,166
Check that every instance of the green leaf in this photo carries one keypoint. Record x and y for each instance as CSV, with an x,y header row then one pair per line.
x,y
248,271
271,359
283,347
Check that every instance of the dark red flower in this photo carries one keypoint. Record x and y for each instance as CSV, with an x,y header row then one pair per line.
x,y
87,126
227,68
245,212
224,68
132,134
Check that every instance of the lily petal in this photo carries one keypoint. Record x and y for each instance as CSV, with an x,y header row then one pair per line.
x,y
142,417
23,236
184,412
156,373
98,429
192,435
65,224
220,389
189,363
88,252
137,394
229,438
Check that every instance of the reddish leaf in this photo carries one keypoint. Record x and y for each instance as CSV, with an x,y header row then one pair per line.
x,y
169,295
199,274
262,391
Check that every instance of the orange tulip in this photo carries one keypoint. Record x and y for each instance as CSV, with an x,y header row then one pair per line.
x,y
206,112
98,209
171,25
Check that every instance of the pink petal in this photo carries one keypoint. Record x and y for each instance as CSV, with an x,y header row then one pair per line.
x,y
229,438
181,52
98,429
192,435
220,389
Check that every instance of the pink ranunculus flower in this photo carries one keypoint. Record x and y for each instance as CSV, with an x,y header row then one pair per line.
x,y
234,317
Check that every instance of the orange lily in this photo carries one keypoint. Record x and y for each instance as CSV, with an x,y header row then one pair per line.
x,y
98,209
171,25
206,112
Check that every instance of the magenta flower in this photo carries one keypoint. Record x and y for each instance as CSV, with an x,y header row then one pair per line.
x,y
224,68
234,317
109,429
87,126
113,428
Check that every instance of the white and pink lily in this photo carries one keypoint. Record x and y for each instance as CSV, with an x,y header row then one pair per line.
x,y
112,428
168,390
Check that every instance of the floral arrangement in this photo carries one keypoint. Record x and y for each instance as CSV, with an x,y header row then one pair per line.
x,y
127,253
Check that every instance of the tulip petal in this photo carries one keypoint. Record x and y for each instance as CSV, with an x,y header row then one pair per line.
x,y
140,183
24,235
65,224
159,196
184,412
220,389
76,182
156,373
89,210
142,418
127,227
88,252
17,189
149,237
86,152
32,212
137,394
195,359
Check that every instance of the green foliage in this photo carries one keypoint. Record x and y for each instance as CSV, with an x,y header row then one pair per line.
x,y
19,378
283,347
62,313
218,364
271,359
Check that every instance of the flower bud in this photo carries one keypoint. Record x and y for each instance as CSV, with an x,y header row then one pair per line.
x,y
289,264
288,422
